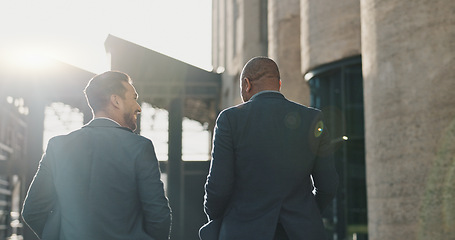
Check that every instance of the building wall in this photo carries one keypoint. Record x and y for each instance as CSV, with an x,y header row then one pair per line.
x,y
14,168
284,48
330,31
408,52
302,34
237,39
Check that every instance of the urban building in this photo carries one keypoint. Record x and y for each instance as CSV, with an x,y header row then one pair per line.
x,y
24,93
382,71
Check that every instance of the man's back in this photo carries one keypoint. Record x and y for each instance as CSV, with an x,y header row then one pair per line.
x,y
264,153
106,182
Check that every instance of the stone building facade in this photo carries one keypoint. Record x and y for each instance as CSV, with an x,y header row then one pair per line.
x,y
383,73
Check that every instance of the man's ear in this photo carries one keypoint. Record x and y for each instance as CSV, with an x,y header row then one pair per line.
x,y
115,100
247,84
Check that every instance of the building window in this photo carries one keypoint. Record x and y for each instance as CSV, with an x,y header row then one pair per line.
x,y
337,89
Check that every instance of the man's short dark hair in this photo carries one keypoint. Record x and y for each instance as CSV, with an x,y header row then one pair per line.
x,y
258,67
100,88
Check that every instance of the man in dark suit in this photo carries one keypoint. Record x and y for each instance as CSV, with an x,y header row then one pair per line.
x,y
272,171
101,181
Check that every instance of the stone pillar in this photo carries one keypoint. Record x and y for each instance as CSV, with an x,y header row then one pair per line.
x,y
240,33
408,55
174,168
284,47
330,31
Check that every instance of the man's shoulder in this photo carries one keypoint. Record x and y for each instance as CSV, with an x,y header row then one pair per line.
x,y
234,110
303,107
128,135
88,131
141,139
285,104
235,107
63,137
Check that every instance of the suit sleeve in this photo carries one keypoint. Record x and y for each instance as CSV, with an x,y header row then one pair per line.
x,y
155,205
325,176
41,196
220,180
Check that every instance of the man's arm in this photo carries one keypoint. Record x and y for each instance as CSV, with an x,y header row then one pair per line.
x,y
324,174
220,180
41,197
155,205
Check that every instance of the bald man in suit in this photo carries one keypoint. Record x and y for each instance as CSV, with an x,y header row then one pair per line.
x,y
272,171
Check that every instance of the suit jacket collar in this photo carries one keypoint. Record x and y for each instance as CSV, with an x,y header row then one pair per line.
x,y
267,94
105,122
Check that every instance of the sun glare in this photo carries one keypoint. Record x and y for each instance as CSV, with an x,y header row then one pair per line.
x,y
35,60
30,58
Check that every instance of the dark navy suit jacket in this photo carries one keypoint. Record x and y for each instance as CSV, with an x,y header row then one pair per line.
x,y
103,182
271,163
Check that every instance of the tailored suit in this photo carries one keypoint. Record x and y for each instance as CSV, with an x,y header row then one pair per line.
x,y
267,152
103,182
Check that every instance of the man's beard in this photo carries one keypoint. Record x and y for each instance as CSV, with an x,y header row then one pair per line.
x,y
130,122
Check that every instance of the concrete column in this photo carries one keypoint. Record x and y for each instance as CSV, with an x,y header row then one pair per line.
x,y
219,35
330,31
251,39
174,168
240,35
408,53
284,47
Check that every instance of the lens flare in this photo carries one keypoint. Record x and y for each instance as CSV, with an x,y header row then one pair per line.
x,y
319,129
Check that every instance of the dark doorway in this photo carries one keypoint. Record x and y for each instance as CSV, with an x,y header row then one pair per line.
x,y
337,89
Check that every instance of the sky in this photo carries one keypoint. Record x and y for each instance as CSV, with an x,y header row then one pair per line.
x,y
74,31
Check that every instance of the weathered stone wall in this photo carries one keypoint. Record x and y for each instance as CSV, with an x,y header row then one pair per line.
x,y
408,53
330,31
284,47
236,38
